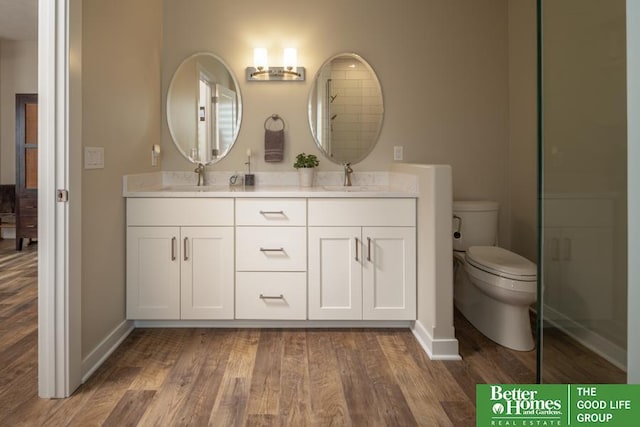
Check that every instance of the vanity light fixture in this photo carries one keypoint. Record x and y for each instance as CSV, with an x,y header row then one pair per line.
x,y
288,72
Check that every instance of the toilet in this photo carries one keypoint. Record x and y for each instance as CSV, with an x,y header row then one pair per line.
x,y
493,287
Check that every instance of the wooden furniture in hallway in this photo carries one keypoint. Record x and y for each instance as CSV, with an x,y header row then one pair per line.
x,y
26,168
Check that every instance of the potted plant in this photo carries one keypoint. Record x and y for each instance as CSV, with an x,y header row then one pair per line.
x,y
305,164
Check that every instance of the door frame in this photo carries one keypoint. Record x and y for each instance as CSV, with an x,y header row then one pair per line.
x,y
59,262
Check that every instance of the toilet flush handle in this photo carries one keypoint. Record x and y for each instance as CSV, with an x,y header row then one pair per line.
x,y
456,228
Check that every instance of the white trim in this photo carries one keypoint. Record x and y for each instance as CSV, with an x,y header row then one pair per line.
x,y
272,324
613,353
58,299
436,349
633,191
99,354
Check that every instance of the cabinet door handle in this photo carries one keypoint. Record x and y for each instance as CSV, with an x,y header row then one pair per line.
x,y
271,249
173,248
186,244
556,249
357,244
271,212
271,296
567,246
369,249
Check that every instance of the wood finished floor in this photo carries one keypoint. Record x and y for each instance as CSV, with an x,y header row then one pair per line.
x,y
267,377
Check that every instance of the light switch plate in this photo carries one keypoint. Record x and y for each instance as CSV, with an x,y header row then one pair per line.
x,y
398,152
94,157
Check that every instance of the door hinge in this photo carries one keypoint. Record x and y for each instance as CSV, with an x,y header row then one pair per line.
x,y
62,196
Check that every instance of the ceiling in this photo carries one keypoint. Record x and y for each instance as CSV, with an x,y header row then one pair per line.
x,y
18,19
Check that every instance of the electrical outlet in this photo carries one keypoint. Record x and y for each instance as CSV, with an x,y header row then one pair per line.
x,y
398,152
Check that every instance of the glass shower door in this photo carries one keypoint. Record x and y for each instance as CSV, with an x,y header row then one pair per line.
x,y
583,192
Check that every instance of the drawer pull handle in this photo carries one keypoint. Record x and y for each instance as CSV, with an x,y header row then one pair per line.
x,y
369,249
173,249
271,296
186,244
271,249
271,213
357,244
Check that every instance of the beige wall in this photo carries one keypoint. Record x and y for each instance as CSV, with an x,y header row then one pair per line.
x,y
443,67
523,132
18,74
121,112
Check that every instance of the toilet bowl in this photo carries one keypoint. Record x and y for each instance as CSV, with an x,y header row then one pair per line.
x,y
493,287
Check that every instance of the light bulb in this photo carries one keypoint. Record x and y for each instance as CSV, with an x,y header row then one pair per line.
x,y
260,58
290,59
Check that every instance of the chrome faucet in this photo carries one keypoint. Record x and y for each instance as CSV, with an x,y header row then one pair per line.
x,y
200,171
347,174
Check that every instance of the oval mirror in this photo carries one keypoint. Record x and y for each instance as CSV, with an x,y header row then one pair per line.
x,y
346,108
204,108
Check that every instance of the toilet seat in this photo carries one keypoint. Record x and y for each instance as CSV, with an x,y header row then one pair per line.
x,y
501,262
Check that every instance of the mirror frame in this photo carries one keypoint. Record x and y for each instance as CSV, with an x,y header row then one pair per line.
x,y
312,92
239,108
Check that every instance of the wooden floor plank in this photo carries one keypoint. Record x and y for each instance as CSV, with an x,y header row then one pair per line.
x,y
328,402
264,395
358,389
130,409
414,382
106,397
295,394
388,392
198,408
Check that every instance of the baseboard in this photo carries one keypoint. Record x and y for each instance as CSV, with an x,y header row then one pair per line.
x,y
436,349
272,323
99,354
613,353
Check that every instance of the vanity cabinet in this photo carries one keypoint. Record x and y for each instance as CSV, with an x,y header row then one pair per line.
x,y
271,259
180,259
362,259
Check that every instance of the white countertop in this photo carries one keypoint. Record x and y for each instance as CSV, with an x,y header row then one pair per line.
x,y
176,184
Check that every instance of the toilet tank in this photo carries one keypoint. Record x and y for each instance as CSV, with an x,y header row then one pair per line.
x,y
475,223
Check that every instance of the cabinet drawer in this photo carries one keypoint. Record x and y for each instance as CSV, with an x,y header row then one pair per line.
x,y
28,206
271,248
180,211
271,296
271,212
362,212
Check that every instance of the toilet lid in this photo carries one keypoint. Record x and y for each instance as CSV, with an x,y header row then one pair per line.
x,y
501,262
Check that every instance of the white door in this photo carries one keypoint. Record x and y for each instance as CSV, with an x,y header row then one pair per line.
x,y
153,273
335,273
226,118
389,273
207,272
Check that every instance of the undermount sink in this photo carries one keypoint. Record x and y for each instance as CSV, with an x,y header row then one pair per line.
x,y
353,188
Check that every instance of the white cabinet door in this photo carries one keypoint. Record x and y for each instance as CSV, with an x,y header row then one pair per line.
x,y
389,278
335,273
578,271
153,273
207,284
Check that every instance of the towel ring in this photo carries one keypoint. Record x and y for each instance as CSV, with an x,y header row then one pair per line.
x,y
273,117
